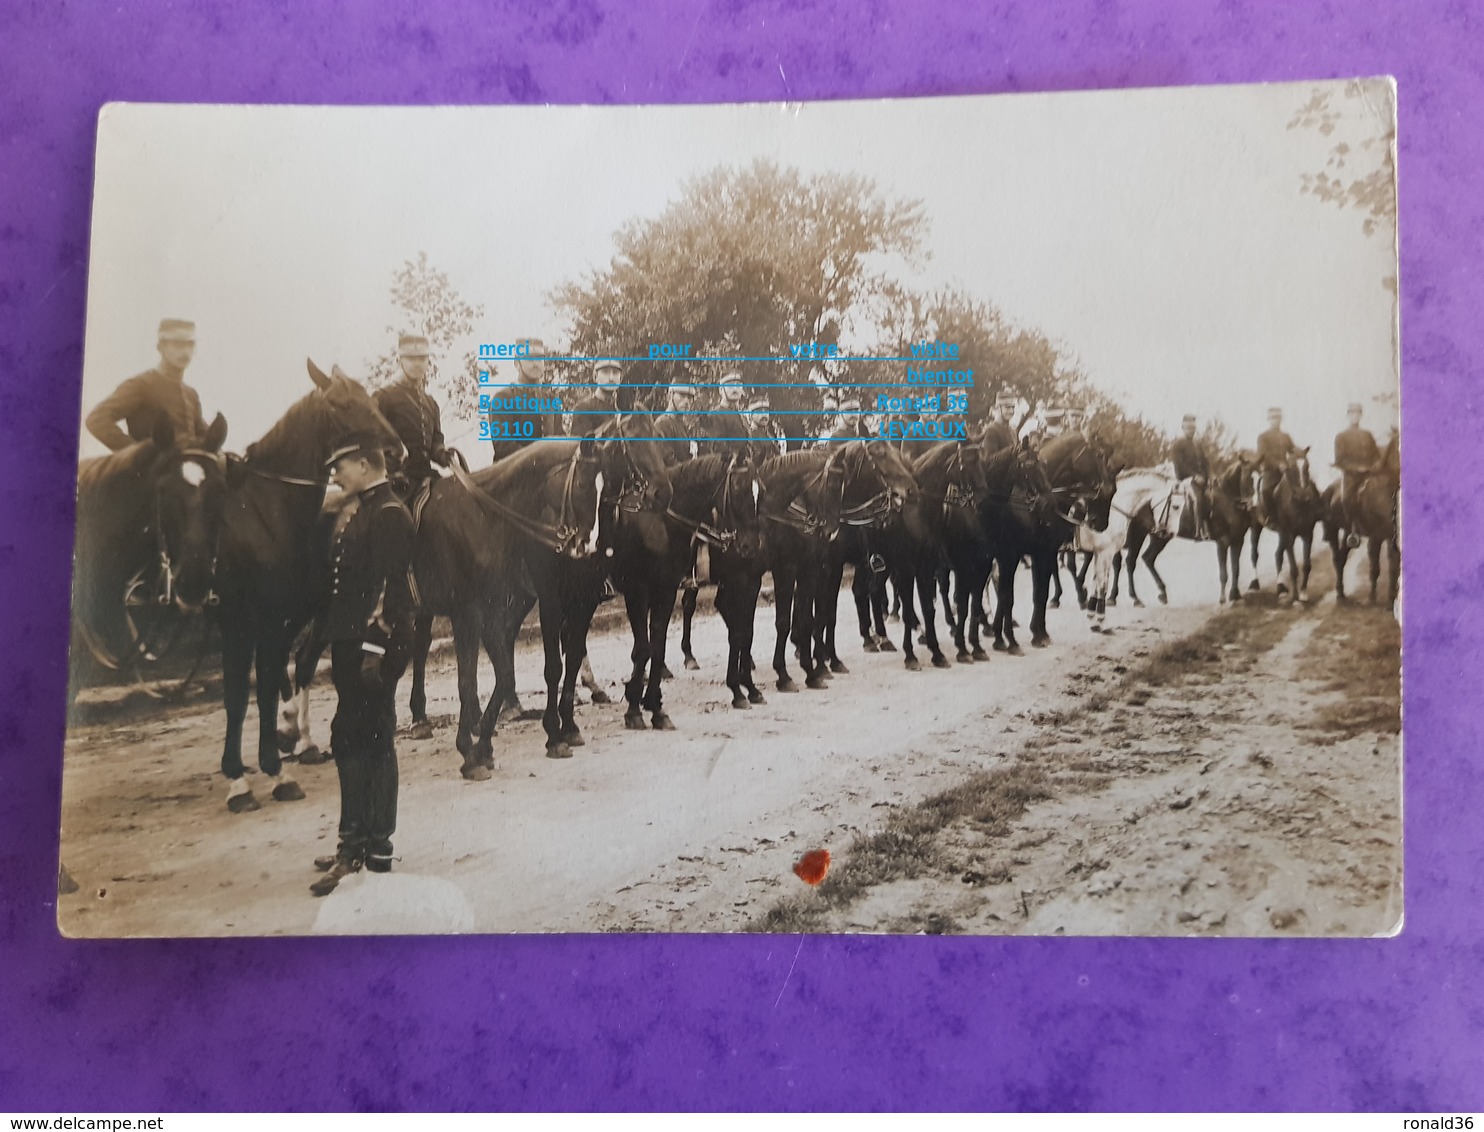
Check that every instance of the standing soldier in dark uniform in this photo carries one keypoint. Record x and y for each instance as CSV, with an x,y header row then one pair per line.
x,y
1356,456
998,433
680,427
415,418
162,391
1273,450
601,404
1191,464
829,419
508,428
369,624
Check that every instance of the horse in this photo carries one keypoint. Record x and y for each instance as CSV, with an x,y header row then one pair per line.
x,y
1073,482
1376,509
1297,507
274,496
149,519
801,497
715,502
878,484
653,552
1230,515
1136,488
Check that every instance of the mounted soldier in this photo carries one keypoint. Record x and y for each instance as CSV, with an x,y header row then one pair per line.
x,y
680,427
1074,420
159,392
508,428
728,423
1191,463
767,438
600,405
999,434
415,417
1273,449
1356,456
829,418
369,624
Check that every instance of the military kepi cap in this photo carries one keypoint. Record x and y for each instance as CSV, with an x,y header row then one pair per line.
x,y
608,366
1005,397
1354,407
352,444
1188,418
733,378
177,330
758,401
412,346
1275,412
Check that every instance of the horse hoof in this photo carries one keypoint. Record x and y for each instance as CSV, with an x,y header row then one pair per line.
x,y
573,738
691,664
816,680
1040,642
786,684
1137,603
963,657
1081,604
1114,601
887,645
739,701
1053,604
941,661
1000,646
1164,598
420,729
559,750
979,653
288,791
912,663
475,772
838,667
1016,650
601,697
755,697
243,803
634,721
1095,627
894,617
661,722
869,645
1252,586
312,756
665,673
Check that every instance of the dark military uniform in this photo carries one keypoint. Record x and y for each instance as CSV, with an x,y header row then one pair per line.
x,y
593,412
767,440
682,435
415,418
507,429
998,435
140,402
1189,459
1273,450
370,614
1356,455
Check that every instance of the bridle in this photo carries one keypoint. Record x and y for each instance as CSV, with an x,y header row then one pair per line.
x,y
702,531
879,507
166,597
798,516
560,537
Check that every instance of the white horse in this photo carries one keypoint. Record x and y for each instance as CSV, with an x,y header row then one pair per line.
x,y
1163,492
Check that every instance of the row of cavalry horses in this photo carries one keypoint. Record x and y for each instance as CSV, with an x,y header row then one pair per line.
x,y
546,527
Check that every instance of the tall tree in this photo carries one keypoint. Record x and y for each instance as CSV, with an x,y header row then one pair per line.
x,y
427,304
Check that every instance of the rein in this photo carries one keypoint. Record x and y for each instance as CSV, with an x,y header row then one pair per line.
x,y
558,539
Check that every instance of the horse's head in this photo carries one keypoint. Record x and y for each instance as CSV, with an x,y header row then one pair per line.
x,y
189,487
878,467
347,407
633,465
737,509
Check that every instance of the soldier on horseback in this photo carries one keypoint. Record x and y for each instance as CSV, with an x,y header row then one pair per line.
x,y
999,434
1273,449
601,405
508,430
1356,457
829,419
416,419
728,424
680,427
767,438
1191,463
144,398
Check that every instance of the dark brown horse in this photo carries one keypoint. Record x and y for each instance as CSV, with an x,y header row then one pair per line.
x,y
274,495
1297,507
148,525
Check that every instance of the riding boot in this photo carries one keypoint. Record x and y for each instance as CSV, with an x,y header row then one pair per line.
x,y
339,868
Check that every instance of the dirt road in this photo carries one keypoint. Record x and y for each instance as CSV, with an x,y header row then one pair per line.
x,y
694,830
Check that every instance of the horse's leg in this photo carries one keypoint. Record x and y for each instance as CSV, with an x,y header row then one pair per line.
x,y
1303,581
1221,548
783,601
726,606
978,579
552,611
636,604
1151,554
422,642
497,646
902,582
1041,571
515,609
1256,534
687,613
943,573
272,670
751,584
662,605
1055,600
960,616
878,610
1394,554
1081,579
1373,550
926,586
1340,552
1004,612
860,590
806,599
237,650
466,640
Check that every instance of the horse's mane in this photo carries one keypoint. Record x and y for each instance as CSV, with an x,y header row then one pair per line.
x,y
537,458
1228,478
286,436
784,475
936,457
685,474
1161,470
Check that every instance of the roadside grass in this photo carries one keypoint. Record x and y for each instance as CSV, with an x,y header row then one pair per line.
x,y
910,845
1356,651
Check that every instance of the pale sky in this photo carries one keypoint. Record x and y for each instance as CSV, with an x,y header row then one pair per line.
x,y
1160,237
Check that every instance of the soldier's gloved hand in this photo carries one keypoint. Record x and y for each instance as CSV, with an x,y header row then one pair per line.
x,y
371,669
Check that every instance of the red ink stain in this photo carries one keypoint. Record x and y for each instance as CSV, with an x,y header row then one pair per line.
x,y
812,866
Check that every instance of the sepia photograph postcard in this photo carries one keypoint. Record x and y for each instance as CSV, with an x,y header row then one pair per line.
x,y
965,515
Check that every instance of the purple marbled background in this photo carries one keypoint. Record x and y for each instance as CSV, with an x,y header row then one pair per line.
x,y
689,1022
